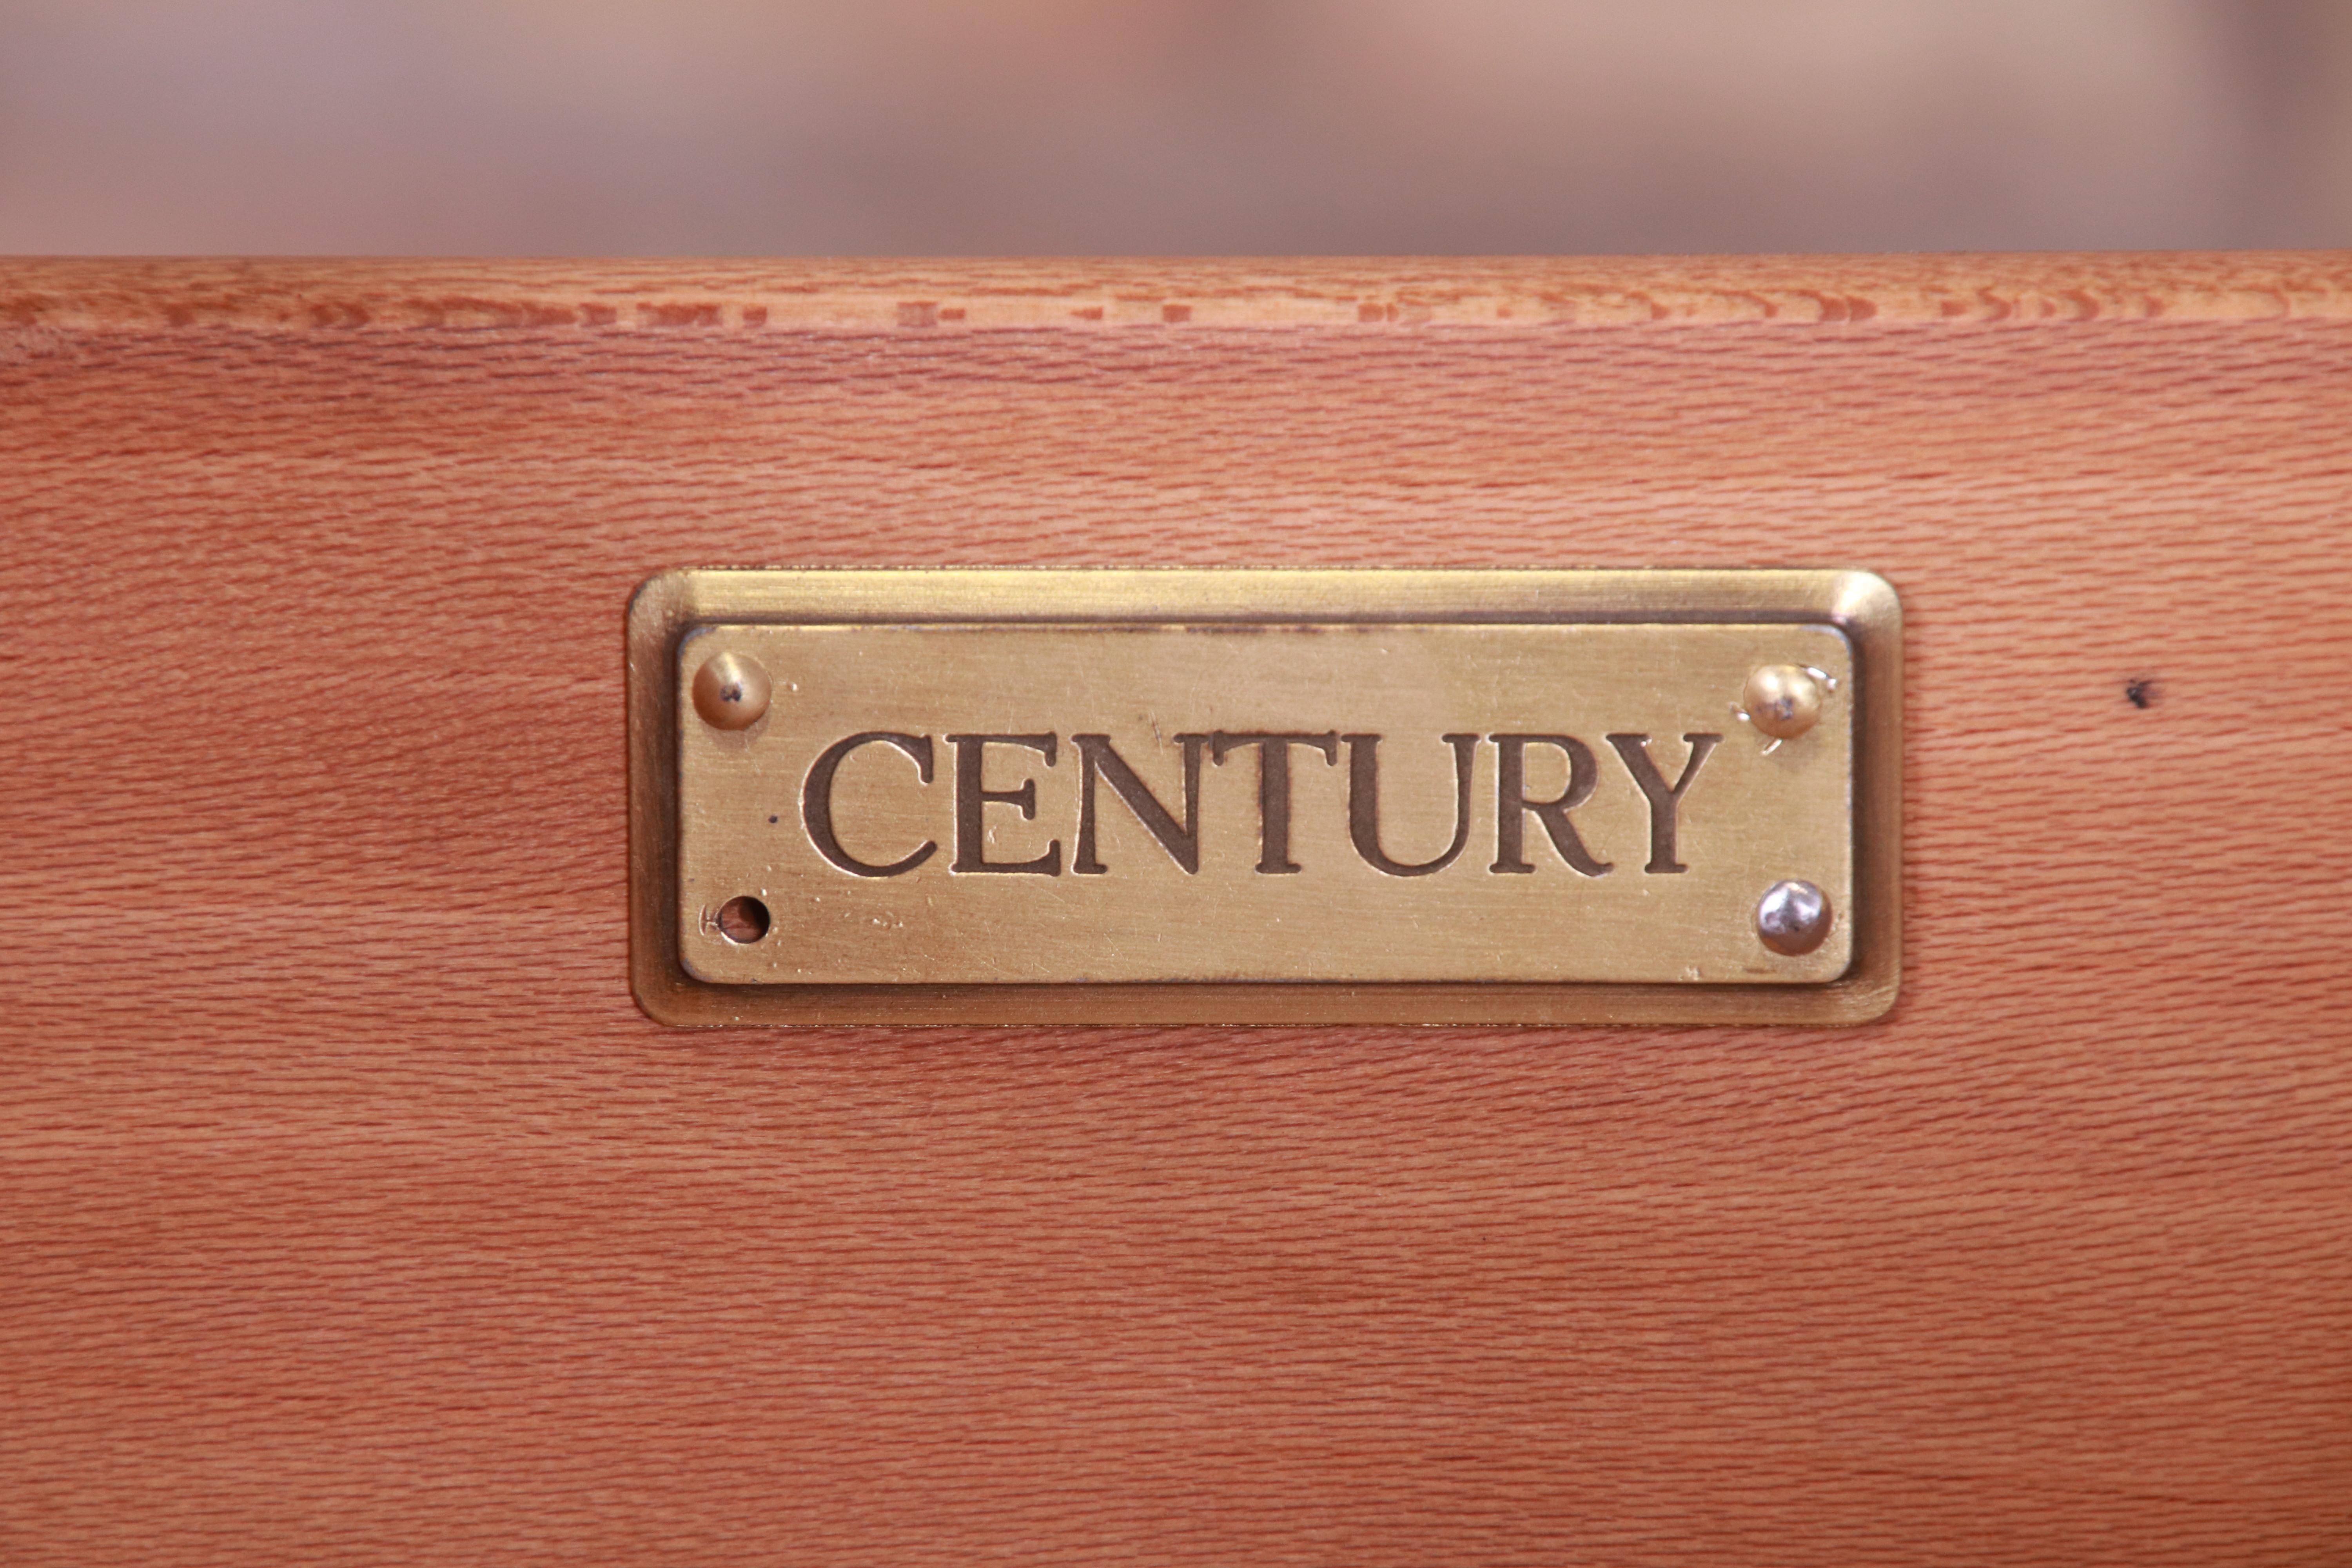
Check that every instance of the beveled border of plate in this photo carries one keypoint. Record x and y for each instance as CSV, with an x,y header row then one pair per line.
x,y
668,606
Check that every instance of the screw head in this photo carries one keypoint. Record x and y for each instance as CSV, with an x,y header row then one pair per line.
x,y
1783,701
731,691
1792,918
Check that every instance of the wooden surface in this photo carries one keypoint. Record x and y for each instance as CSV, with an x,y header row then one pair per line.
x,y
350,1213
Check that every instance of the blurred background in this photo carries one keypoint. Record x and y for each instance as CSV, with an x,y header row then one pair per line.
x,y
787,127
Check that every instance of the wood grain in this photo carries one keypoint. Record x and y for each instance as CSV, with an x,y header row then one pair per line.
x,y
350,1213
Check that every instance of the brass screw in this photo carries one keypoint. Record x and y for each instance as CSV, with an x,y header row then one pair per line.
x,y
1784,700
730,692
1792,918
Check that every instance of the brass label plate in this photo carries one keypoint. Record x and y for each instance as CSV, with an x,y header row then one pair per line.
x,y
1121,796
872,876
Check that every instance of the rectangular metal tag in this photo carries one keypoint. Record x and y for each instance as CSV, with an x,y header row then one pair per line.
x,y
1264,796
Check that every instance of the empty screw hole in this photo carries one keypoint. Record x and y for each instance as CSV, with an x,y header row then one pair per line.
x,y
743,920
